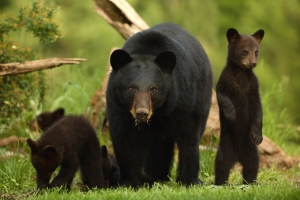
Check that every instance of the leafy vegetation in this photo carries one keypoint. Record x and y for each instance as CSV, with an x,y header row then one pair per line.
x,y
19,91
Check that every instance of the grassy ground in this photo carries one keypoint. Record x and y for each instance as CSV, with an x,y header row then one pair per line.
x,y
18,182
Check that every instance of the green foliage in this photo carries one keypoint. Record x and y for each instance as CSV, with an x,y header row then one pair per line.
x,y
277,123
37,19
12,173
20,93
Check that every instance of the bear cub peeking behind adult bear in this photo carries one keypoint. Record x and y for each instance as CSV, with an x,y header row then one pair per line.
x,y
240,108
70,143
158,94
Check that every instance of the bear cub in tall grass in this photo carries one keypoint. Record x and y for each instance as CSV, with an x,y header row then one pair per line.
x,y
240,108
70,143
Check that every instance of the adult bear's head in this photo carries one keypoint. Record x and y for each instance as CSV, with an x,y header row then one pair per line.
x,y
143,81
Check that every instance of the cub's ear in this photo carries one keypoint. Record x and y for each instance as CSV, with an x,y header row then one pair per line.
x,y
166,60
32,144
50,152
258,35
119,58
232,34
58,113
104,153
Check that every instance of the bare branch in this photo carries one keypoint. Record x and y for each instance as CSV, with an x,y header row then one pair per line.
x,y
121,16
30,66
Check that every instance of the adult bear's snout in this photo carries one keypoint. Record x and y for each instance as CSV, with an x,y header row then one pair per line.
x,y
142,114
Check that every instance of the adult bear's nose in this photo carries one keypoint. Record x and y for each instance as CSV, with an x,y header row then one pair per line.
x,y
142,114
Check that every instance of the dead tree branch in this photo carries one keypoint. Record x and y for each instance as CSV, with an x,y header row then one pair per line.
x,y
30,66
121,16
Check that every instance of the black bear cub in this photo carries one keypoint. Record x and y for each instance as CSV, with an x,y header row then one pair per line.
x,y
46,119
240,108
70,143
110,169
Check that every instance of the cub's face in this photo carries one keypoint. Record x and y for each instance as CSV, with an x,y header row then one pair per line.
x,y
143,82
243,50
44,158
43,165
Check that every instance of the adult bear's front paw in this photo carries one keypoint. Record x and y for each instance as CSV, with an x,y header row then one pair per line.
x,y
256,135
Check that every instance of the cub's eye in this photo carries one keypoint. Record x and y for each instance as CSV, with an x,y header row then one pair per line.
x,y
131,88
245,52
256,53
153,90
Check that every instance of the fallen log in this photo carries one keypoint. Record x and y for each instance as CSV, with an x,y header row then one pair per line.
x,y
10,140
30,66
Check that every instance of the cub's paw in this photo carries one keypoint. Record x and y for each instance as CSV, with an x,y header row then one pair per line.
x,y
256,135
230,115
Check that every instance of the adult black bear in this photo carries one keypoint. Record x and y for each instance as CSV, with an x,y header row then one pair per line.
x,y
158,94
240,108
70,143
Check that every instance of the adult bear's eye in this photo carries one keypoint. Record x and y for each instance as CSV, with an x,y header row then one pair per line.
x,y
131,88
153,90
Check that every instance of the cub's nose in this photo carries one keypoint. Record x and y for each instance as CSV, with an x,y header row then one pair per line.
x,y
253,64
142,114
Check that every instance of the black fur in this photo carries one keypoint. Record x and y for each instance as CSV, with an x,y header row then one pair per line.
x,y
70,143
158,94
46,119
240,108
110,169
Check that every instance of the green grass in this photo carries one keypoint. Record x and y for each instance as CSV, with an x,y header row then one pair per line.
x,y
280,191
277,124
18,181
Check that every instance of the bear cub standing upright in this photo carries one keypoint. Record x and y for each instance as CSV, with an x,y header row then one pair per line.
x,y
158,94
240,108
70,143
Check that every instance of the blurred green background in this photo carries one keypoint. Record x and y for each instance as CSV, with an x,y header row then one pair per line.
x,y
88,35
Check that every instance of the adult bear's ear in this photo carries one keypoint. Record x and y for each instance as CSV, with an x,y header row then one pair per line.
x,y
166,60
50,152
119,58
232,34
104,153
32,144
258,35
